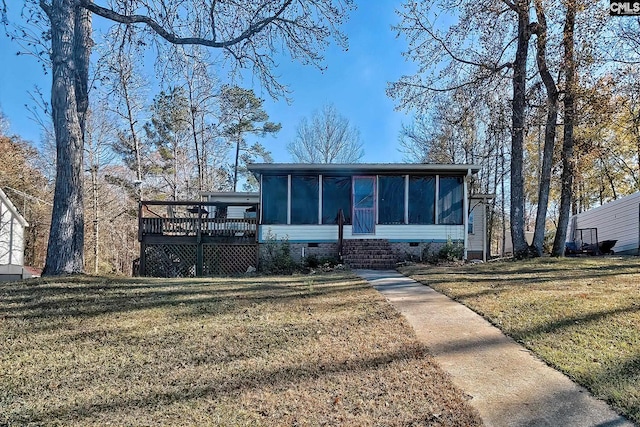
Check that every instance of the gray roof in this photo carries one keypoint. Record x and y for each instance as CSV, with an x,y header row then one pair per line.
x,y
360,168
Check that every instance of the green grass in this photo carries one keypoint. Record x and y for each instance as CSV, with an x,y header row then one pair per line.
x,y
580,315
297,350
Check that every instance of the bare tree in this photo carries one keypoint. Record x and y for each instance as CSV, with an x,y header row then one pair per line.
x,y
569,61
100,131
246,32
540,29
471,55
123,90
328,138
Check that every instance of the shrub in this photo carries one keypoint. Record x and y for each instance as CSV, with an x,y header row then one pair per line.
x,y
276,255
451,251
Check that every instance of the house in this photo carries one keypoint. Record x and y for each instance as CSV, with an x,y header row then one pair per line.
x,y
617,220
12,226
370,214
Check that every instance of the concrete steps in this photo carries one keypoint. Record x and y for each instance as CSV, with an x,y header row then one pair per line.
x,y
371,254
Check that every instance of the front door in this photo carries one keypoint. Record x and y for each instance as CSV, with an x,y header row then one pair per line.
x,y
364,204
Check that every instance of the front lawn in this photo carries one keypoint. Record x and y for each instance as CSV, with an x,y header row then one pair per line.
x,y
580,315
297,350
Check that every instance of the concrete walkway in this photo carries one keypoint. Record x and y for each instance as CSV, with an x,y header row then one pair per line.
x,y
507,384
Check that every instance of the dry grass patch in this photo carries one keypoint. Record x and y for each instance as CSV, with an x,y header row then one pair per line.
x,y
299,350
580,315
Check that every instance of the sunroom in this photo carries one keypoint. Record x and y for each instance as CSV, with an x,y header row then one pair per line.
x,y
319,207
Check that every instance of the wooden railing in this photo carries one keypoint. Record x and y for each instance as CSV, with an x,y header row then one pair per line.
x,y
192,218
228,227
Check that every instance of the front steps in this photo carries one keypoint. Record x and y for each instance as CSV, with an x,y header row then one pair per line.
x,y
370,254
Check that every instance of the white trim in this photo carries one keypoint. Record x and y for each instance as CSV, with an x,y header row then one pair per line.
x,y
260,195
11,242
406,199
376,201
289,199
436,217
320,199
13,209
465,217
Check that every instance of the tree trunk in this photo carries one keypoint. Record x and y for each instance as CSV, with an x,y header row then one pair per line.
x,y
549,131
194,134
567,145
520,246
96,236
69,50
235,169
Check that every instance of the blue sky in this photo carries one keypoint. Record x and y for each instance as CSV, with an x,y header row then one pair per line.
x,y
354,81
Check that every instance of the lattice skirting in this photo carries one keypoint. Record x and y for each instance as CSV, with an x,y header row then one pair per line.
x,y
180,260
228,259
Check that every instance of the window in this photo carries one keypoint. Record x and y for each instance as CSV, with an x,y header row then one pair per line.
x,y
304,199
470,225
336,194
391,199
422,199
450,201
274,199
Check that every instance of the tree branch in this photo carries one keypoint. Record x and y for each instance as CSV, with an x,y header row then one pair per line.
x,y
173,38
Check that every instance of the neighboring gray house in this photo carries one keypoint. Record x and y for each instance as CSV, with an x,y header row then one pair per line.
x,y
12,226
617,220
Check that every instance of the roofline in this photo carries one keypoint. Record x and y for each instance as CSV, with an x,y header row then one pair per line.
x,y
230,193
13,209
482,196
272,168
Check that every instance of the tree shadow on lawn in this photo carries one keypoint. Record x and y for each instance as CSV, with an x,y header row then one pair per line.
x,y
620,377
556,325
88,296
524,277
234,386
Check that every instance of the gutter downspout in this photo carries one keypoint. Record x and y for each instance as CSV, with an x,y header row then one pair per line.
x,y
484,229
465,210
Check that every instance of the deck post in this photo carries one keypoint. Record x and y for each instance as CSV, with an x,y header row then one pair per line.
x,y
340,232
143,263
199,249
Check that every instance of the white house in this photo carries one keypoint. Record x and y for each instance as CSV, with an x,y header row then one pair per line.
x,y
617,220
403,210
12,226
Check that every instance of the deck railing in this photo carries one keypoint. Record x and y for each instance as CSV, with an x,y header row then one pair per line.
x,y
191,219
224,227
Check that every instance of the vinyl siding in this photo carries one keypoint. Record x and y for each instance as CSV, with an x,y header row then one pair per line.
x,y
475,238
393,233
617,220
11,237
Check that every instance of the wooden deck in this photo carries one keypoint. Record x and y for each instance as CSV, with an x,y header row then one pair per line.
x,y
185,238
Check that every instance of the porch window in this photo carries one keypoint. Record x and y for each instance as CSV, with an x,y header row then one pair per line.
x,y
391,199
422,199
274,199
304,199
450,200
336,194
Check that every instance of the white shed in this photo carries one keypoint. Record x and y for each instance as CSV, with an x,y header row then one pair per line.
x,y
12,226
617,220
